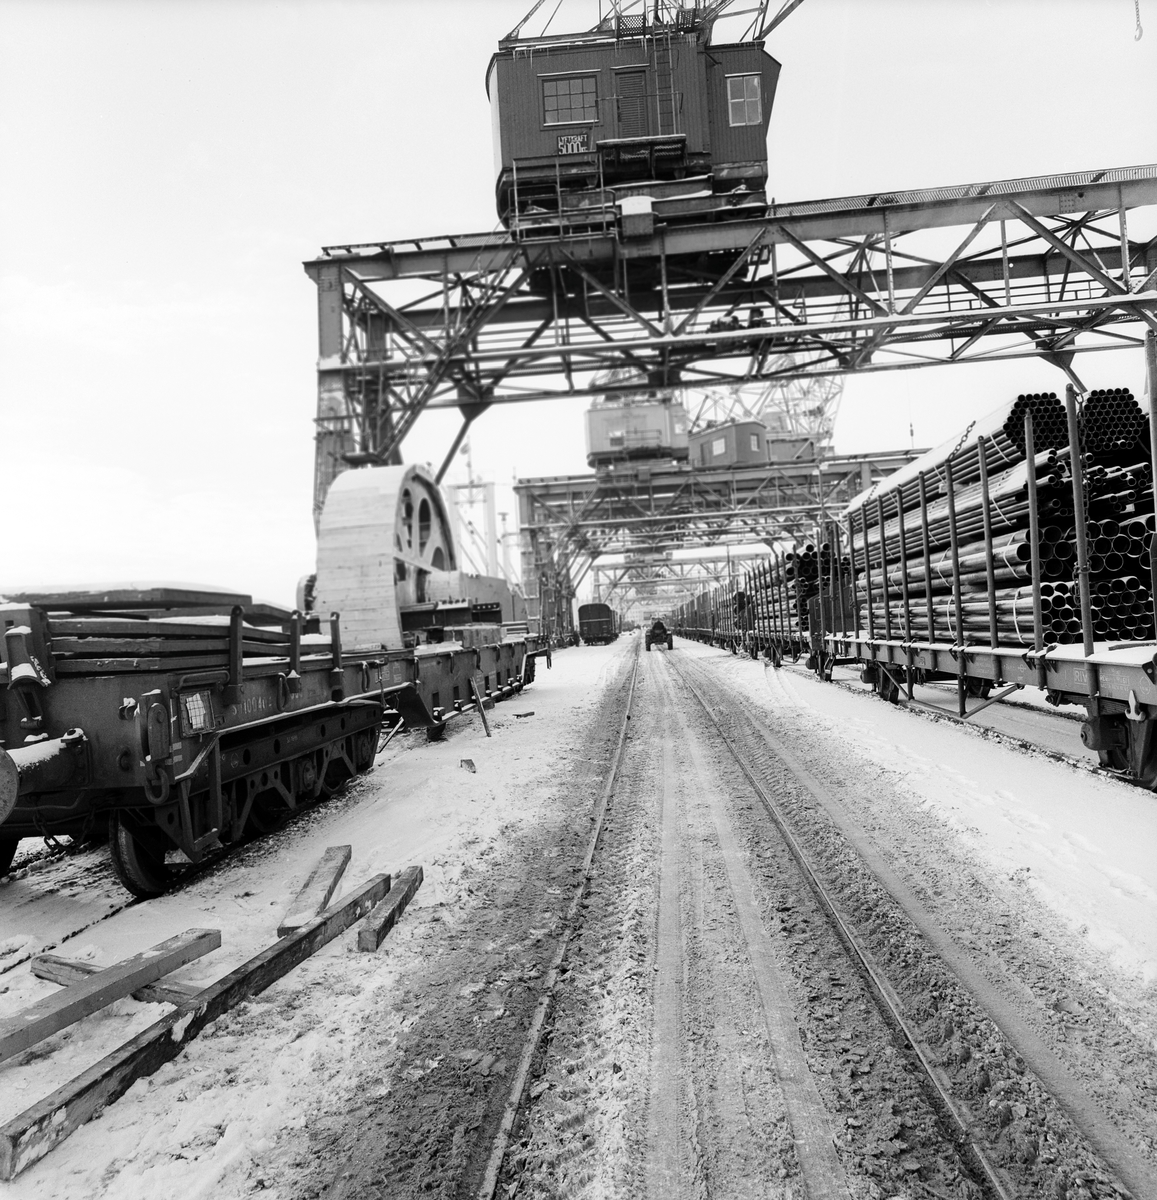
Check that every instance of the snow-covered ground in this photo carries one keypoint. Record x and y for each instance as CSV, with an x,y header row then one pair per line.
x,y
241,1109
1085,844
200,1124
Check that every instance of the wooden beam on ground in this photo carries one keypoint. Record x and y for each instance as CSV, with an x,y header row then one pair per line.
x,y
30,1136
318,888
478,686
67,971
385,916
54,1013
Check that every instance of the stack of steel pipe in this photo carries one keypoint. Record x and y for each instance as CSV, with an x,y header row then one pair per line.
x,y
1114,428
1007,507
1014,616
802,572
931,541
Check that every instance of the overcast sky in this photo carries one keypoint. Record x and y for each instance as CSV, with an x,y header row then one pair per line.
x,y
168,166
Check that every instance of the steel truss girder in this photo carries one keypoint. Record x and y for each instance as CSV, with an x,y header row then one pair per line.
x,y
633,582
569,524
1036,267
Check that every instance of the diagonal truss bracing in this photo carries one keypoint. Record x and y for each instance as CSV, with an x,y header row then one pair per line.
x,y
1047,266
644,512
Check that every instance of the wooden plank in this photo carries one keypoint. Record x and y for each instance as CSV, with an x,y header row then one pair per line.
x,y
476,683
32,1134
385,916
54,1013
318,888
67,971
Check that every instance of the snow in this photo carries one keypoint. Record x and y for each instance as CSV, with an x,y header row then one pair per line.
x,y
1083,843
227,1109
198,1126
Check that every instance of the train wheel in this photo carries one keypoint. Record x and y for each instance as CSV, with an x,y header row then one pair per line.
x,y
138,856
7,853
267,814
366,748
889,689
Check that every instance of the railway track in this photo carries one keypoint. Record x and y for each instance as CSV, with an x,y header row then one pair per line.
x,y
718,1019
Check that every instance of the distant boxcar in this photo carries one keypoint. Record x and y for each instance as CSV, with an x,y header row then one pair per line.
x,y
635,430
597,624
731,444
642,106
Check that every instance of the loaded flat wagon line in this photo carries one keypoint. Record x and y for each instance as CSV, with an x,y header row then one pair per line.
x,y
185,733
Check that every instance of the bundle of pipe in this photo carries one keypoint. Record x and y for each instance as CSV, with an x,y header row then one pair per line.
x,y
1014,617
1120,547
802,572
1119,508
1113,427
1008,510
1012,562
1003,432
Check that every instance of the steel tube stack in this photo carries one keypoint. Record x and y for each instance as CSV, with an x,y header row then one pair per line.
x,y
1005,491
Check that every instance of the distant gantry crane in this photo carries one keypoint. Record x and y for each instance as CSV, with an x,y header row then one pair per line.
x,y
638,237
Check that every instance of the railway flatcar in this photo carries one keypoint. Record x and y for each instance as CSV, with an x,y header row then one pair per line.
x,y
598,624
186,719
640,119
1017,555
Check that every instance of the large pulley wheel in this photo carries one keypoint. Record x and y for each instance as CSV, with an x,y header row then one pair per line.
x,y
138,856
384,533
7,853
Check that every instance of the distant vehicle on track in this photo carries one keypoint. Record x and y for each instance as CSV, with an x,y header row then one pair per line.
x,y
598,624
658,635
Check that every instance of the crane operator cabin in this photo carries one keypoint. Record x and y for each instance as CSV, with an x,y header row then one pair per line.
x,y
642,112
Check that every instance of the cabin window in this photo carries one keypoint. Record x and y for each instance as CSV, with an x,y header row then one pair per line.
x,y
719,446
755,442
743,106
574,98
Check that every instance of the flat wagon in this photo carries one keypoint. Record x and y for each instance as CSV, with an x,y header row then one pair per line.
x,y
1019,554
183,720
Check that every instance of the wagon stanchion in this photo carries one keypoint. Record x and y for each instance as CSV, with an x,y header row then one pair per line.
x,y
839,582
957,598
908,673
989,565
868,580
884,570
927,558
852,566
784,597
819,653
1151,381
1038,636
1082,540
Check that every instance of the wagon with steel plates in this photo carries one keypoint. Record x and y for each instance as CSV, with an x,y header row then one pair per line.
x,y
598,624
181,720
